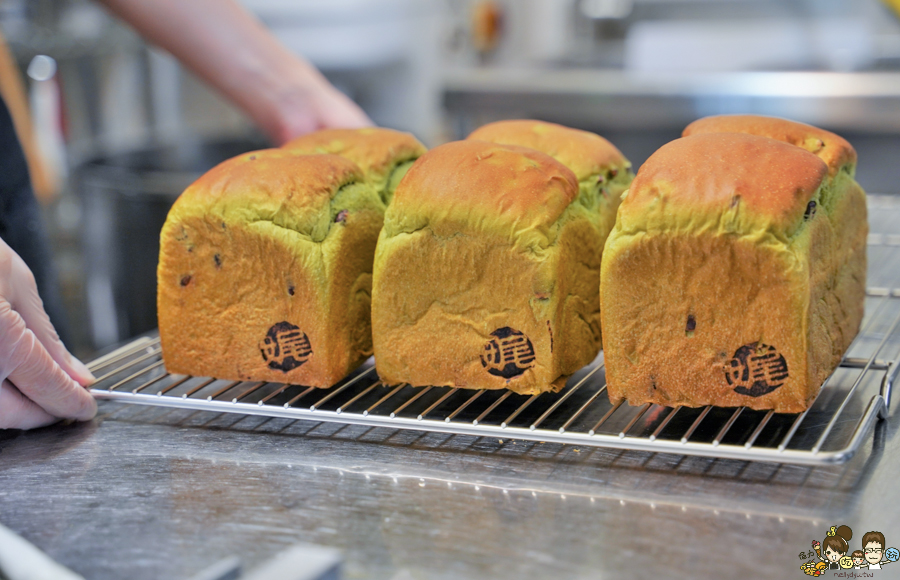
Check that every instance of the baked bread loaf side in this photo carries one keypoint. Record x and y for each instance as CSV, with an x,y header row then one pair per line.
x,y
723,282
384,155
265,270
603,173
481,279
846,204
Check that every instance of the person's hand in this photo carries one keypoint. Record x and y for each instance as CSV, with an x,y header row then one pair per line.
x,y
40,382
309,104
229,48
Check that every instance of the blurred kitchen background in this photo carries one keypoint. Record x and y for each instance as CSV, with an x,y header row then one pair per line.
x,y
122,128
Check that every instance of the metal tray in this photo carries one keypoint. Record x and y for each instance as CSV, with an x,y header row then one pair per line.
x,y
834,427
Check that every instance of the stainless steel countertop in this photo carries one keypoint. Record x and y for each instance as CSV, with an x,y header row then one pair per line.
x,y
144,492
151,493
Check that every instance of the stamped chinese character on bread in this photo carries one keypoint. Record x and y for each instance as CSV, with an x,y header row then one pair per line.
x,y
486,273
265,270
735,275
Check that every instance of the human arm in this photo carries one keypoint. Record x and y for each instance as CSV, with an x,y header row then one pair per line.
x,y
40,382
226,46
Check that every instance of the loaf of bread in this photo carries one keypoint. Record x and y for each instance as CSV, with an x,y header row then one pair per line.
x,y
833,149
733,277
603,173
481,278
384,155
265,270
844,289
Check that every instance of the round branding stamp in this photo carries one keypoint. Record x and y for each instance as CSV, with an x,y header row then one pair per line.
x,y
756,369
285,347
508,354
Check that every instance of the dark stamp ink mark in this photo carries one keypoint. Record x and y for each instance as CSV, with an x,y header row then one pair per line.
x,y
218,260
810,210
185,280
756,369
341,217
285,347
509,354
691,324
291,289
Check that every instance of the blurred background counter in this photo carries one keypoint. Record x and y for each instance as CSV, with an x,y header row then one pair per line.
x,y
123,128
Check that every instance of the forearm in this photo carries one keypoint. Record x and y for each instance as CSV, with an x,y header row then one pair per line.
x,y
226,46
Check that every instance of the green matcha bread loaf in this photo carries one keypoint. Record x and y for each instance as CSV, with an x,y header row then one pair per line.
x,y
384,155
847,205
733,275
603,173
265,270
481,278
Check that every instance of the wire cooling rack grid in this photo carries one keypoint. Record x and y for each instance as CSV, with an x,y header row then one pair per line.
x,y
831,430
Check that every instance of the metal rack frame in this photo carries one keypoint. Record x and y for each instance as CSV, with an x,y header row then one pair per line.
x,y
577,415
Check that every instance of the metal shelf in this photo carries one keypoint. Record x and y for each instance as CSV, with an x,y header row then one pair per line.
x,y
830,431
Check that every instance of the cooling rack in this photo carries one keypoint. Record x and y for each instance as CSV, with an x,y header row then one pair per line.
x,y
830,431
835,426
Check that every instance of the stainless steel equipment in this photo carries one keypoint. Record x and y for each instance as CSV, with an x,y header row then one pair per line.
x,y
830,431
639,112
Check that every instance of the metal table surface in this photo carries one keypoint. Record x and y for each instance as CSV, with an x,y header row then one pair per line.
x,y
146,492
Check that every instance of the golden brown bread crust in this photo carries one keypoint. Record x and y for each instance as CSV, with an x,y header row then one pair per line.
x,y
481,278
718,173
265,270
474,184
602,171
377,151
265,179
734,277
677,309
833,149
586,154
